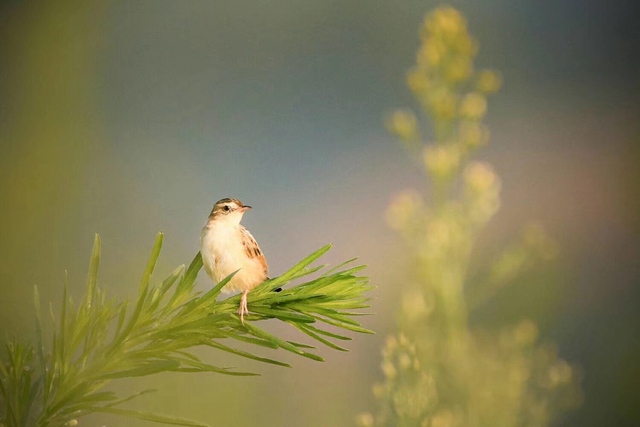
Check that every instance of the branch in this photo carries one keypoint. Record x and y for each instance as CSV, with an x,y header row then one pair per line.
x,y
103,340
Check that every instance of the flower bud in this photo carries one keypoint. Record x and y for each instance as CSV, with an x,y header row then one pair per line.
x,y
473,106
442,160
445,21
458,70
431,53
480,177
403,124
482,192
418,81
364,420
473,134
389,370
488,81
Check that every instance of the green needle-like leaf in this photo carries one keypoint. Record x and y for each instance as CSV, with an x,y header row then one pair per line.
x,y
280,342
222,347
92,280
149,417
317,337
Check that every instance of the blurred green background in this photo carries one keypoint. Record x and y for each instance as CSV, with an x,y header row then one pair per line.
x,y
126,118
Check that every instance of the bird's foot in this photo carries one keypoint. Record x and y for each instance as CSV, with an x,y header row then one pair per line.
x,y
243,306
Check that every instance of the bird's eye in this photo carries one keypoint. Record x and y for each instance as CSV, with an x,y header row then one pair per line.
x,y
227,208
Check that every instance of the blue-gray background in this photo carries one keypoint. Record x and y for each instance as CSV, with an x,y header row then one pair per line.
x,y
127,118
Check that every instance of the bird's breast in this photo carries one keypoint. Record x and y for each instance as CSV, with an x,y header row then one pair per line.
x,y
223,253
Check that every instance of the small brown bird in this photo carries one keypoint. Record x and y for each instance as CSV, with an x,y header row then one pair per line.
x,y
226,246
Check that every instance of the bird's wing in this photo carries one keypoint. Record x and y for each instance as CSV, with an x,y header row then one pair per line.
x,y
252,249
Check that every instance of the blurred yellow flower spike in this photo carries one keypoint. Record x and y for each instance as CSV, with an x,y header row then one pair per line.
x,y
438,370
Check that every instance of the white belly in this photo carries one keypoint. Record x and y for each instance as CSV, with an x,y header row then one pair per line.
x,y
223,253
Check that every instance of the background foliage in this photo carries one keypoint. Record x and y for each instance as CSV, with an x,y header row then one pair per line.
x,y
102,340
438,370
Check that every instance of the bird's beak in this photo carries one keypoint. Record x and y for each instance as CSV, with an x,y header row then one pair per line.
x,y
245,208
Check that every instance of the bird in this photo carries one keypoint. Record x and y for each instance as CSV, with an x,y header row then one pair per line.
x,y
226,246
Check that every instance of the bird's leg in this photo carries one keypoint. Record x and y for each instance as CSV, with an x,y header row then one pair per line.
x,y
243,306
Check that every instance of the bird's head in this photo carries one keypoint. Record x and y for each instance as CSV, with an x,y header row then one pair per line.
x,y
228,210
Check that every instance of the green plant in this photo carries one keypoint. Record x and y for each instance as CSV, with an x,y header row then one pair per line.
x,y
100,340
438,371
